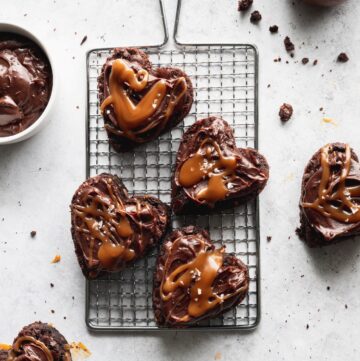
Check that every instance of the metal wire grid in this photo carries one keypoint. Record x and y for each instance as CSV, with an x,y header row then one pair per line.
x,y
225,84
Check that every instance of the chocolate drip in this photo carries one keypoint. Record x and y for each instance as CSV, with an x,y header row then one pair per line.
x,y
136,96
25,83
27,348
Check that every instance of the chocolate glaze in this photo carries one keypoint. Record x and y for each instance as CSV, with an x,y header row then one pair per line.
x,y
330,201
111,229
39,342
25,83
168,91
189,286
211,171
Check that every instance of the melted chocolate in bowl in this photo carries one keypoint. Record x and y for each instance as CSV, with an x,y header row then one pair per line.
x,y
25,83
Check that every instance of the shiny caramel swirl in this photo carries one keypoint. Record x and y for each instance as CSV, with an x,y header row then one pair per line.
x,y
137,95
198,276
335,197
104,219
209,164
28,348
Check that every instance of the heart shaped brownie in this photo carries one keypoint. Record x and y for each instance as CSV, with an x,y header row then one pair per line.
x,y
330,196
39,342
194,281
111,229
139,102
211,171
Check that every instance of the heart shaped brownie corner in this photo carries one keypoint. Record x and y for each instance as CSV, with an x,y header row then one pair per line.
x,y
140,102
39,341
329,204
193,281
211,171
111,229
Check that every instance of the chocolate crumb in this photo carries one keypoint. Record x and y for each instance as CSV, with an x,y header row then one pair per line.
x,y
307,326
268,238
346,306
328,288
244,5
32,234
83,40
305,60
289,46
52,311
285,112
321,109
51,285
342,58
255,17
269,85
273,29
315,62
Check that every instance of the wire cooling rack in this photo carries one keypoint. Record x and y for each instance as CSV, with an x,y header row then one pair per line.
x,y
225,84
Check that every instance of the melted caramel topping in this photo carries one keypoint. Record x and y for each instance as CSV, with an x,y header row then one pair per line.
x,y
336,203
219,171
34,342
132,116
100,220
199,276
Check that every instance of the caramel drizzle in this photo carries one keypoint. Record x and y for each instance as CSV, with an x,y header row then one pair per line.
x,y
336,204
28,339
198,276
108,229
133,119
201,166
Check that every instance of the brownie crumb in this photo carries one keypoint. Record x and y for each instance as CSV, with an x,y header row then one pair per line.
x,y
51,285
255,17
289,46
83,40
307,326
33,234
52,311
346,306
342,58
244,5
285,112
305,60
269,238
273,29
328,288
315,62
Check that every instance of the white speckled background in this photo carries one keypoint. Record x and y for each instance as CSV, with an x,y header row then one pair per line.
x,y
38,177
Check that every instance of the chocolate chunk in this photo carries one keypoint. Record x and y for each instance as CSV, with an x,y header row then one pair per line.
x,y
255,17
111,229
244,5
33,234
342,58
273,29
40,341
333,172
193,281
158,98
285,112
305,60
25,83
289,46
211,172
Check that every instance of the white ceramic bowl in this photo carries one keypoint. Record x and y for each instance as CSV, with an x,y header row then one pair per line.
x,y
45,116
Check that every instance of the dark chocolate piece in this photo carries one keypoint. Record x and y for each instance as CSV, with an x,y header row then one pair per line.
x,y
138,101
330,196
289,46
255,17
25,83
40,342
273,29
211,172
342,58
244,5
111,229
193,281
285,112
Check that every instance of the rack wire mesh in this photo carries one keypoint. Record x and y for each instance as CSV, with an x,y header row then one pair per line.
x,y
225,84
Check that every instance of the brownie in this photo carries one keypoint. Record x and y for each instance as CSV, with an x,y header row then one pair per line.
x,y
329,203
342,58
140,102
273,29
110,229
40,341
193,281
25,83
211,172
255,17
4,355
